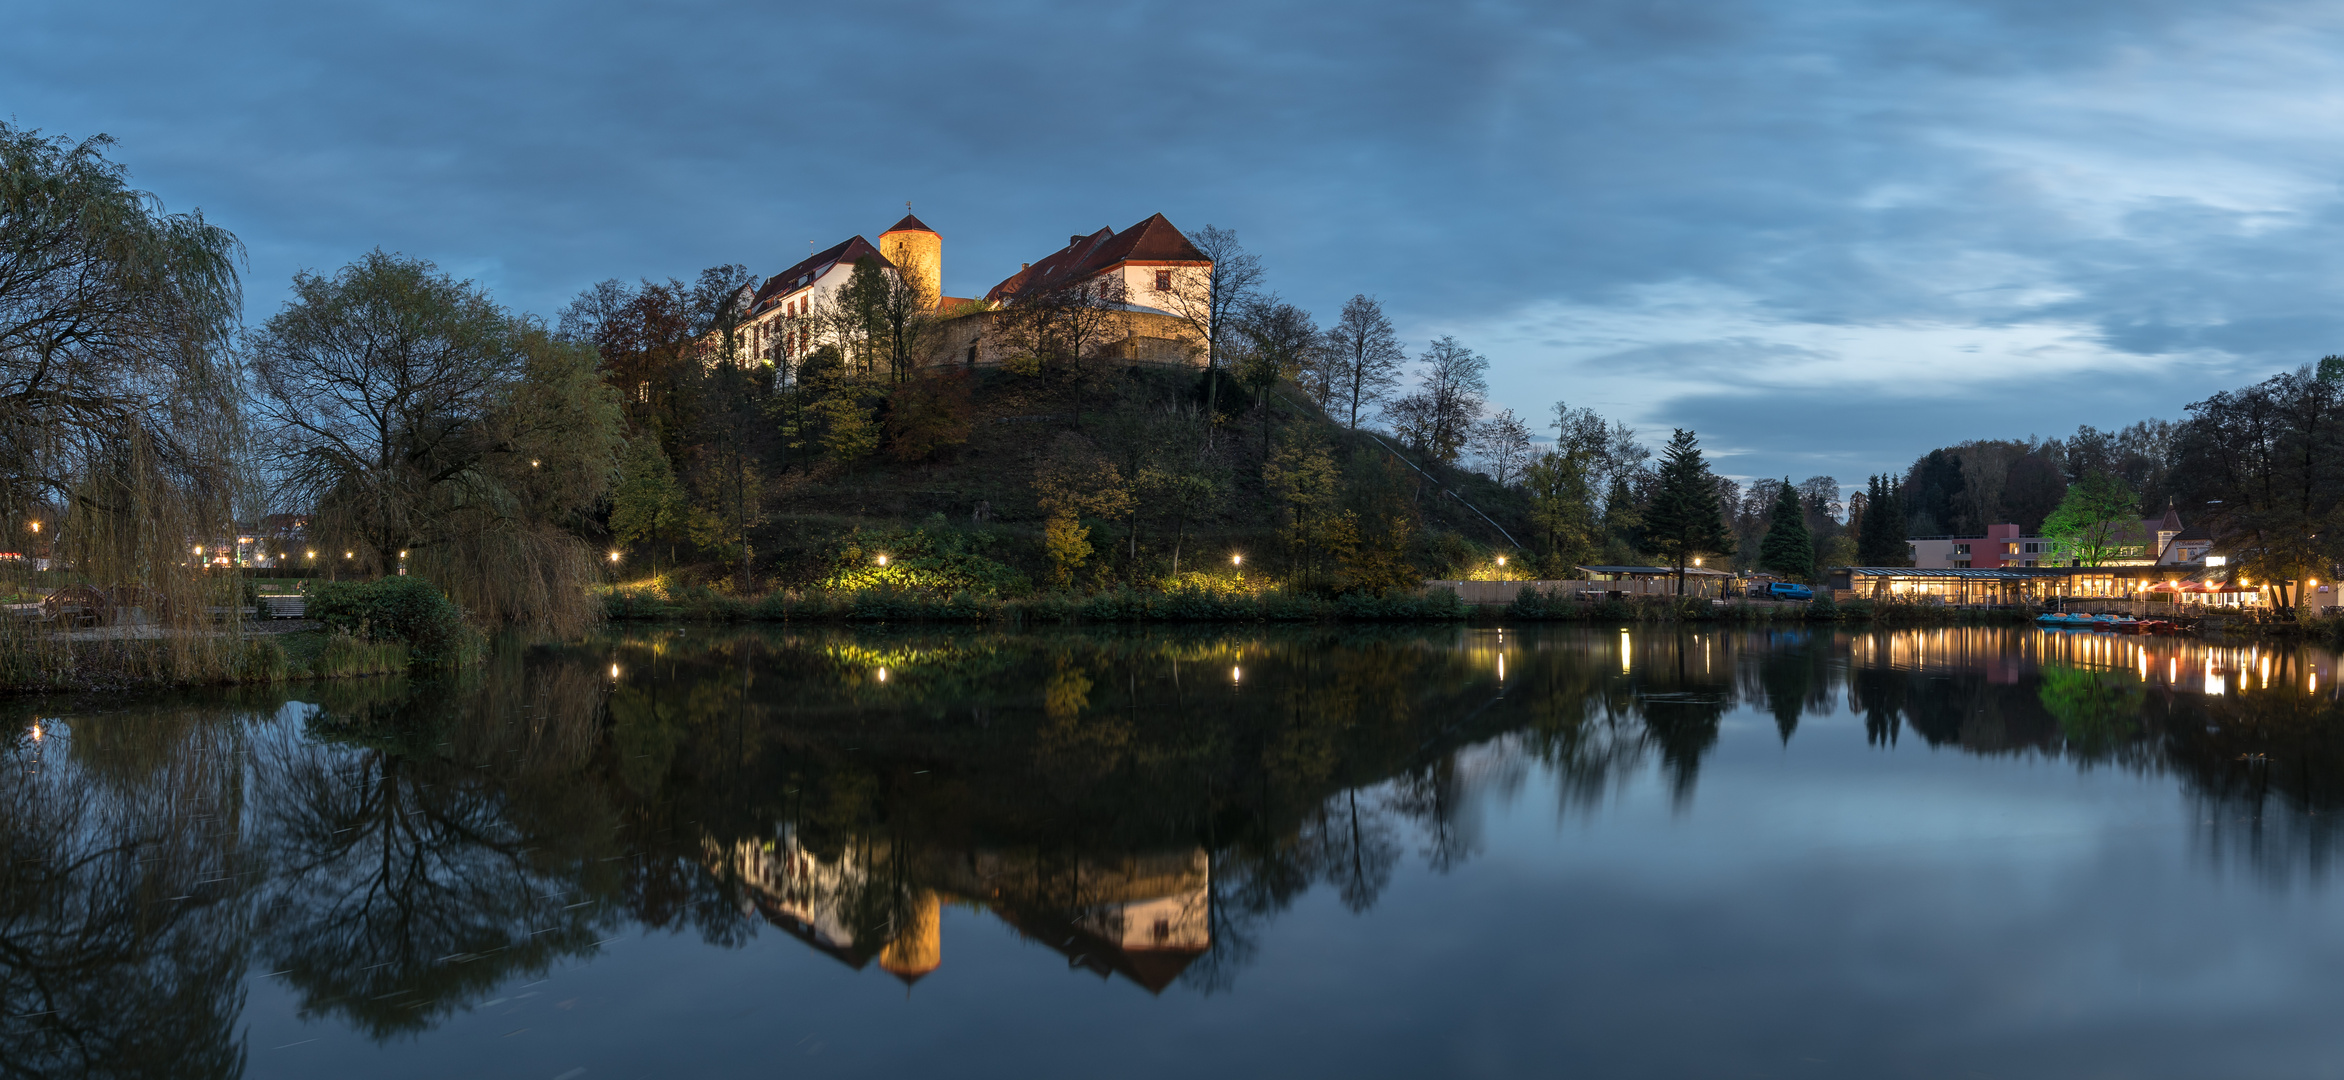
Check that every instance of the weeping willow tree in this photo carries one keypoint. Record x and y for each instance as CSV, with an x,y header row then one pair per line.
x,y
118,406
422,425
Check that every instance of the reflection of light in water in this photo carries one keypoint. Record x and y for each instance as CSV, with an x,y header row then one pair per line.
x,y
2173,670
2144,665
37,732
614,671
1236,675
2266,684
882,674
1501,667
2315,682
2213,681
1623,652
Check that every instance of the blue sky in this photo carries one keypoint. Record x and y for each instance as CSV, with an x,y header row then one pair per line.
x,y
1827,236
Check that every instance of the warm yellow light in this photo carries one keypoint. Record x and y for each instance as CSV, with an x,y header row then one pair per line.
x,y
1235,560
614,556
882,560
37,733
313,554
532,463
36,526
349,554
614,671
1501,560
199,550
882,674
1696,560
1236,674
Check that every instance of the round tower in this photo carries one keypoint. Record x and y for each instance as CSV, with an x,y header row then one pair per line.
x,y
918,254
918,945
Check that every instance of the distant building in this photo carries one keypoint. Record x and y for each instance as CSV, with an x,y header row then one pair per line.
x,y
2161,541
1158,274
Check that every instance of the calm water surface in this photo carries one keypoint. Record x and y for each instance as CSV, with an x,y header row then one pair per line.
x,y
2004,853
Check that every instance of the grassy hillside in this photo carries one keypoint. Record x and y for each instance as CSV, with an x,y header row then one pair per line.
x,y
1129,448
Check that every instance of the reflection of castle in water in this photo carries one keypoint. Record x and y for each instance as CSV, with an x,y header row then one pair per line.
x,y
1144,916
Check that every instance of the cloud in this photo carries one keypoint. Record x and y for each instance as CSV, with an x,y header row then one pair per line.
x,y
1920,209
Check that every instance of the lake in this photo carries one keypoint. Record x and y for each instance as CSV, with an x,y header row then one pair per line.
x,y
1349,852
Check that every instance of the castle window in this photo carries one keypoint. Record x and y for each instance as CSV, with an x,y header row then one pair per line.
x,y
1163,281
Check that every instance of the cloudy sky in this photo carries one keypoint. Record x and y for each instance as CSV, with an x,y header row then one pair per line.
x,y
1827,236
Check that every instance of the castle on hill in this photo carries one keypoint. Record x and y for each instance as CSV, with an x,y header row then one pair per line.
x,y
1157,281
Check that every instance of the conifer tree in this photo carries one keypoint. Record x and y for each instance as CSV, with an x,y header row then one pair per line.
x,y
1685,520
1882,541
1788,549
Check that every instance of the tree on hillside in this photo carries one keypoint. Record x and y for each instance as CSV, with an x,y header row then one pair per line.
x,y
1362,360
1882,539
930,413
1610,448
1684,521
2031,488
1279,341
1932,497
1504,444
2267,461
416,416
2091,520
1623,518
1819,500
1562,510
1450,388
1060,334
649,506
1074,481
891,317
1209,303
1788,549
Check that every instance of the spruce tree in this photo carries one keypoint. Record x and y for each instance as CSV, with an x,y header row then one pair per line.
x,y
1882,542
1788,549
1685,521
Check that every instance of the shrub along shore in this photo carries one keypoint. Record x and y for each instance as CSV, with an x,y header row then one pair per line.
x,y
884,605
383,627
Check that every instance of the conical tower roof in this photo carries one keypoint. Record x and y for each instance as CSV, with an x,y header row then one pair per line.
x,y
909,224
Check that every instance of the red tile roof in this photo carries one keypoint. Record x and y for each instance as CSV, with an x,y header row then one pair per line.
x,y
786,282
1154,240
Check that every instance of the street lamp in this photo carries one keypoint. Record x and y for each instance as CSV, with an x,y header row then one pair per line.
x,y
1235,560
614,557
882,560
1501,568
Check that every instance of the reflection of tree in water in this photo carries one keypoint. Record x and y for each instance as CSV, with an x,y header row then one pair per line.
x,y
121,933
2266,774
424,842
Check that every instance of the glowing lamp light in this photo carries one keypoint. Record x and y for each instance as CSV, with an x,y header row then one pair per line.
x,y
1236,675
1501,560
614,671
882,560
1236,560
532,463
882,674
614,556
349,554
199,551
313,554
36,526
37,733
